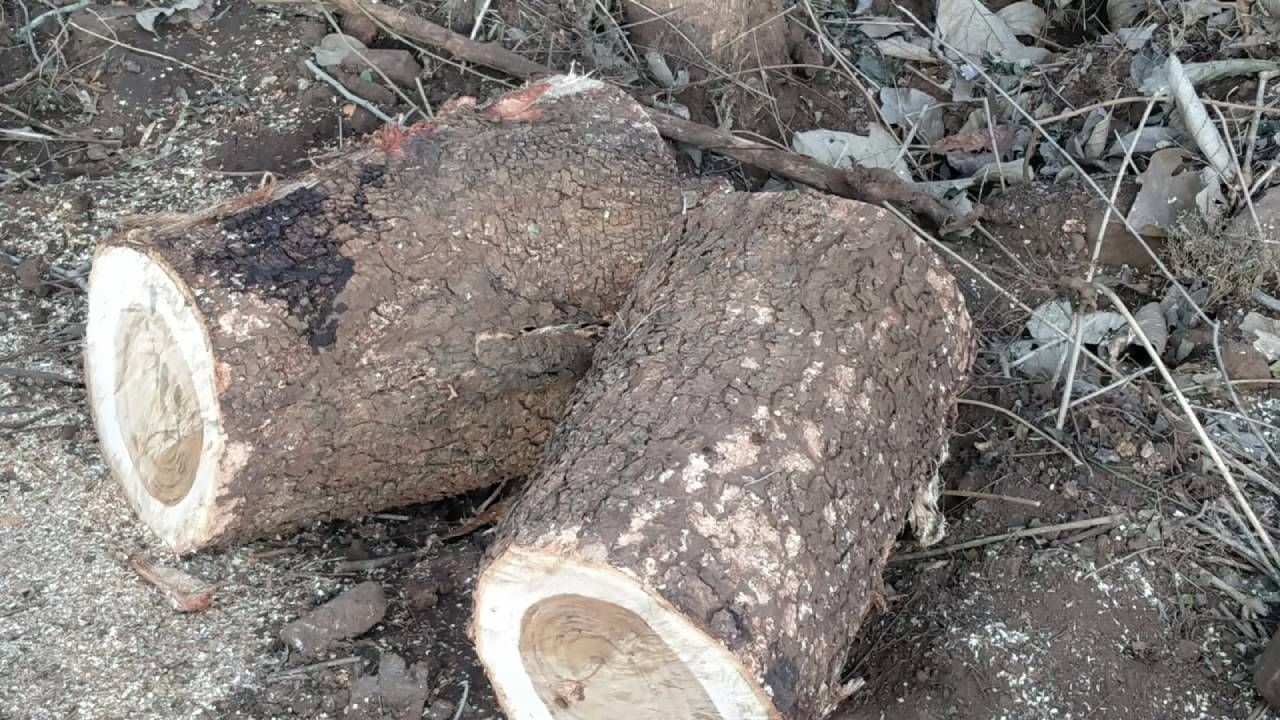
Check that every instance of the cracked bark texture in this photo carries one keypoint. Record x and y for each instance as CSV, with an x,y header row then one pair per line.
x,y
754,427
408,323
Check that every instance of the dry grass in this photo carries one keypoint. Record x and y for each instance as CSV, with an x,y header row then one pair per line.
x,y
1232,264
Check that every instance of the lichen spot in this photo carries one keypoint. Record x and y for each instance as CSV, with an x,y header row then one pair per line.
x,y
809,374
763,314
813,438
736,453
796,463
635,530
242,323
694,472
939,282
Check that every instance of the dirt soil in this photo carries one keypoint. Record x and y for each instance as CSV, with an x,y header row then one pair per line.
x,y
1109,621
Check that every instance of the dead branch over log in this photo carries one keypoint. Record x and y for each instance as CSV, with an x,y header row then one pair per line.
x,y
869,185
401,326
711,519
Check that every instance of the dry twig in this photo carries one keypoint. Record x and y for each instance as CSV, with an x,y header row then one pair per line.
x,y
1025,532
1023,421
1211,447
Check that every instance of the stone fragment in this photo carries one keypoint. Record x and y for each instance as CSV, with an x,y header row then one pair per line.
x,y
350,614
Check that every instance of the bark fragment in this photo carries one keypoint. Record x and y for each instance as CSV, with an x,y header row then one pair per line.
x,y
351,614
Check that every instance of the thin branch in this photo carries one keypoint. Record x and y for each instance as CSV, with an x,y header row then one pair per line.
x,y
365,59
1085,110
301,671
1093,269
1013,299
29,374
1025,532
991,496
1196,426
26,30
344,92
161,56
1024,422
459,46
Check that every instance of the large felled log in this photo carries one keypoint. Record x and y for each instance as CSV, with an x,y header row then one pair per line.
x,y
711,519
401,326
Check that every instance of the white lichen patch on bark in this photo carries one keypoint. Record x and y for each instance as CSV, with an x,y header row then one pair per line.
x,y
639,521
736,452
241,322
694,472
810,374
745,534
813,438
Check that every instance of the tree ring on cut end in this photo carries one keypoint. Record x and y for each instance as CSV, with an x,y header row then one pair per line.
x,y
563,639
150,374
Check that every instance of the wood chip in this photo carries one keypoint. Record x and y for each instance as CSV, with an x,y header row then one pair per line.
x,y
185,593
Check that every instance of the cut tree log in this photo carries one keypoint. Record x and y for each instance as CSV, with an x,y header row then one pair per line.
x,y
401,326
710,521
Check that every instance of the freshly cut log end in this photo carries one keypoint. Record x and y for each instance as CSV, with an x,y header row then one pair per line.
x,y
709,524
400,326
153,390
563,639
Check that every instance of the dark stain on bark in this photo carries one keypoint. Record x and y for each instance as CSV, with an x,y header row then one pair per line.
x,y
781,678
283,250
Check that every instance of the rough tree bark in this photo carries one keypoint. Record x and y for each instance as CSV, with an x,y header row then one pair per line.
x,y
403,325
711,519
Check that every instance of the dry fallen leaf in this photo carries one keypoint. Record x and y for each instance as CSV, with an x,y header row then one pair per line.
x,y
1151,320
1148,139
880,27
1091,142
976,140
1265,333
195,12
334,48
973,30
1195,117
1164,196
904,49
879,149
1122,13
1023,18
1045,354
908,108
